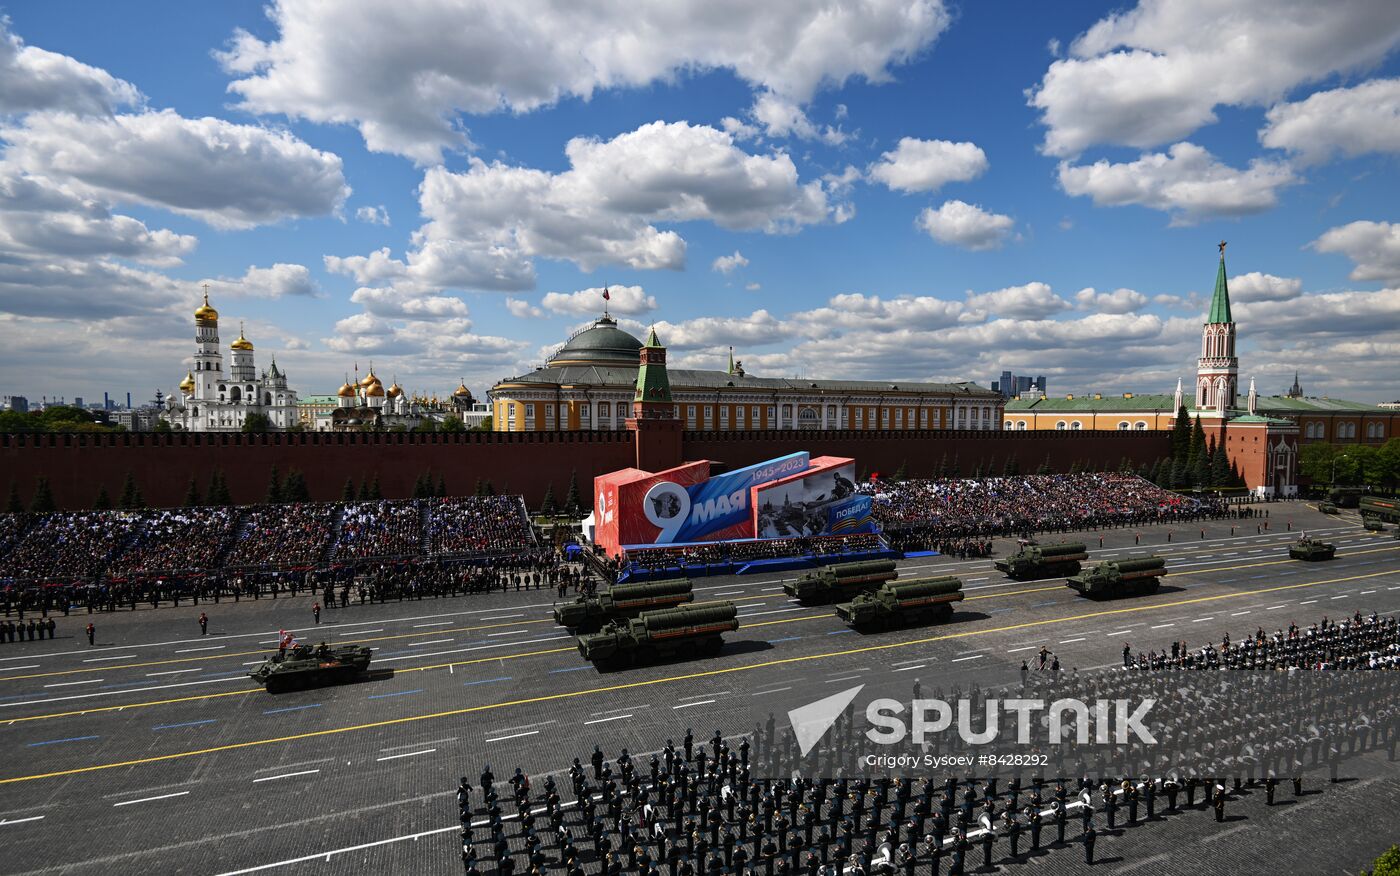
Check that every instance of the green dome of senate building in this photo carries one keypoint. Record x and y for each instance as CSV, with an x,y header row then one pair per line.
x,y
602,343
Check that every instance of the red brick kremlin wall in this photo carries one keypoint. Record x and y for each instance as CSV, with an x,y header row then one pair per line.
x,y
162,464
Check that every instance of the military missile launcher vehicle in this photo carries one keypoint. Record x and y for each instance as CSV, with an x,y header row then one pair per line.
x,y
1311,549
1380,509
903,603
694,630
1120,578
304,666
1043,561
589,614
840,581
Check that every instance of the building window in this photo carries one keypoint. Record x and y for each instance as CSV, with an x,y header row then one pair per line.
x,y
1123,426
1060,426
1007,425
772,416
1141,425
1074,427
724,416
807,418
845,418
709,416
899,418
860,418
1021,426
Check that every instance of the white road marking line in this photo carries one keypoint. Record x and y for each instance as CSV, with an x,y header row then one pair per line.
x,y
770,589
961,659
763,693
177,671
113,693
902,662
439,624
843,678
1162,626
1238,613
415,753
71,683
36,665
210,648
149,799
605,720
1308,602
907,668
428,642
1343,596
1117,633
683,706
1364,592
285,776
507,633
1026,648
100,659
1070,641
503,616
1272,607
1203,619
6,822
513,736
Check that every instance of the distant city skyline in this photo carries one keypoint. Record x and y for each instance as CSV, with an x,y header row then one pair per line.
x,y
914,192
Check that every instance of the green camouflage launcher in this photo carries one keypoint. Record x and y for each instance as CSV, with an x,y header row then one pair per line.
x,y
1311,549
840,581
693,630
589,614
1043,561
304,666
1380,509
903,603
1120,578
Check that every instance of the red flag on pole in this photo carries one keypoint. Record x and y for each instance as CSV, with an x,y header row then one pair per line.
x,y
606,296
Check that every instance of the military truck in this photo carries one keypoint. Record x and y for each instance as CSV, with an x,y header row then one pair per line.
x,y
840,581
1327,508
1311,549
694,630
1119,578
589,614
1380,509
903,603
1043,561
304,666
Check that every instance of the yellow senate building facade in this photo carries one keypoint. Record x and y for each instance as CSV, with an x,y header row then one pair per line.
x,y
589,383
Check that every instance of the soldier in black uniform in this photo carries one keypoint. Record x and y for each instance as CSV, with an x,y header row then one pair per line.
x,y
1090,836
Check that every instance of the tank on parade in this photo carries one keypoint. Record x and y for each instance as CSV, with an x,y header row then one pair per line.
x,y
305,666
1311,549
1119,578
693,630
588,614
903,603
839,581
1043,561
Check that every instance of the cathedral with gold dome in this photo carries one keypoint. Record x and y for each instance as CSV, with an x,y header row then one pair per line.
x,y
212,399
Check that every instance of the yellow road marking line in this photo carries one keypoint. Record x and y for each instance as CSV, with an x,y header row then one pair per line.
x,y
709,673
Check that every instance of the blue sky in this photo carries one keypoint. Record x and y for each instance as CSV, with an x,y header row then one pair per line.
x,y
915,191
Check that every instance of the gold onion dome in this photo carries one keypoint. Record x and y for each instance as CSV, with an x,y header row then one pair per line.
x,y
187,385
206,315
346,390
395,390
376,390
242,343
462,390
370,379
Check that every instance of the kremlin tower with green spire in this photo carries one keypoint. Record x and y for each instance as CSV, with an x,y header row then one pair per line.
x,y
1217,371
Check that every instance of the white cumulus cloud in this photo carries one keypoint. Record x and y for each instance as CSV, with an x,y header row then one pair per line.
x,y
729,263
1117,301
959,223
1374,247
1185,181
227,175
403,72
1346,121
281,280
926,165
32,79
1155,73
626,300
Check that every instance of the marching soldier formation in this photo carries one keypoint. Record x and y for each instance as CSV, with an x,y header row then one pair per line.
x,y
699,808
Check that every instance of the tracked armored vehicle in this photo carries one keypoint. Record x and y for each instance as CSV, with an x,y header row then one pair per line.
x,y
1043,561
622,601
1120,578
902,604
1327,508
304,666
841,581
692,630
1311,549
